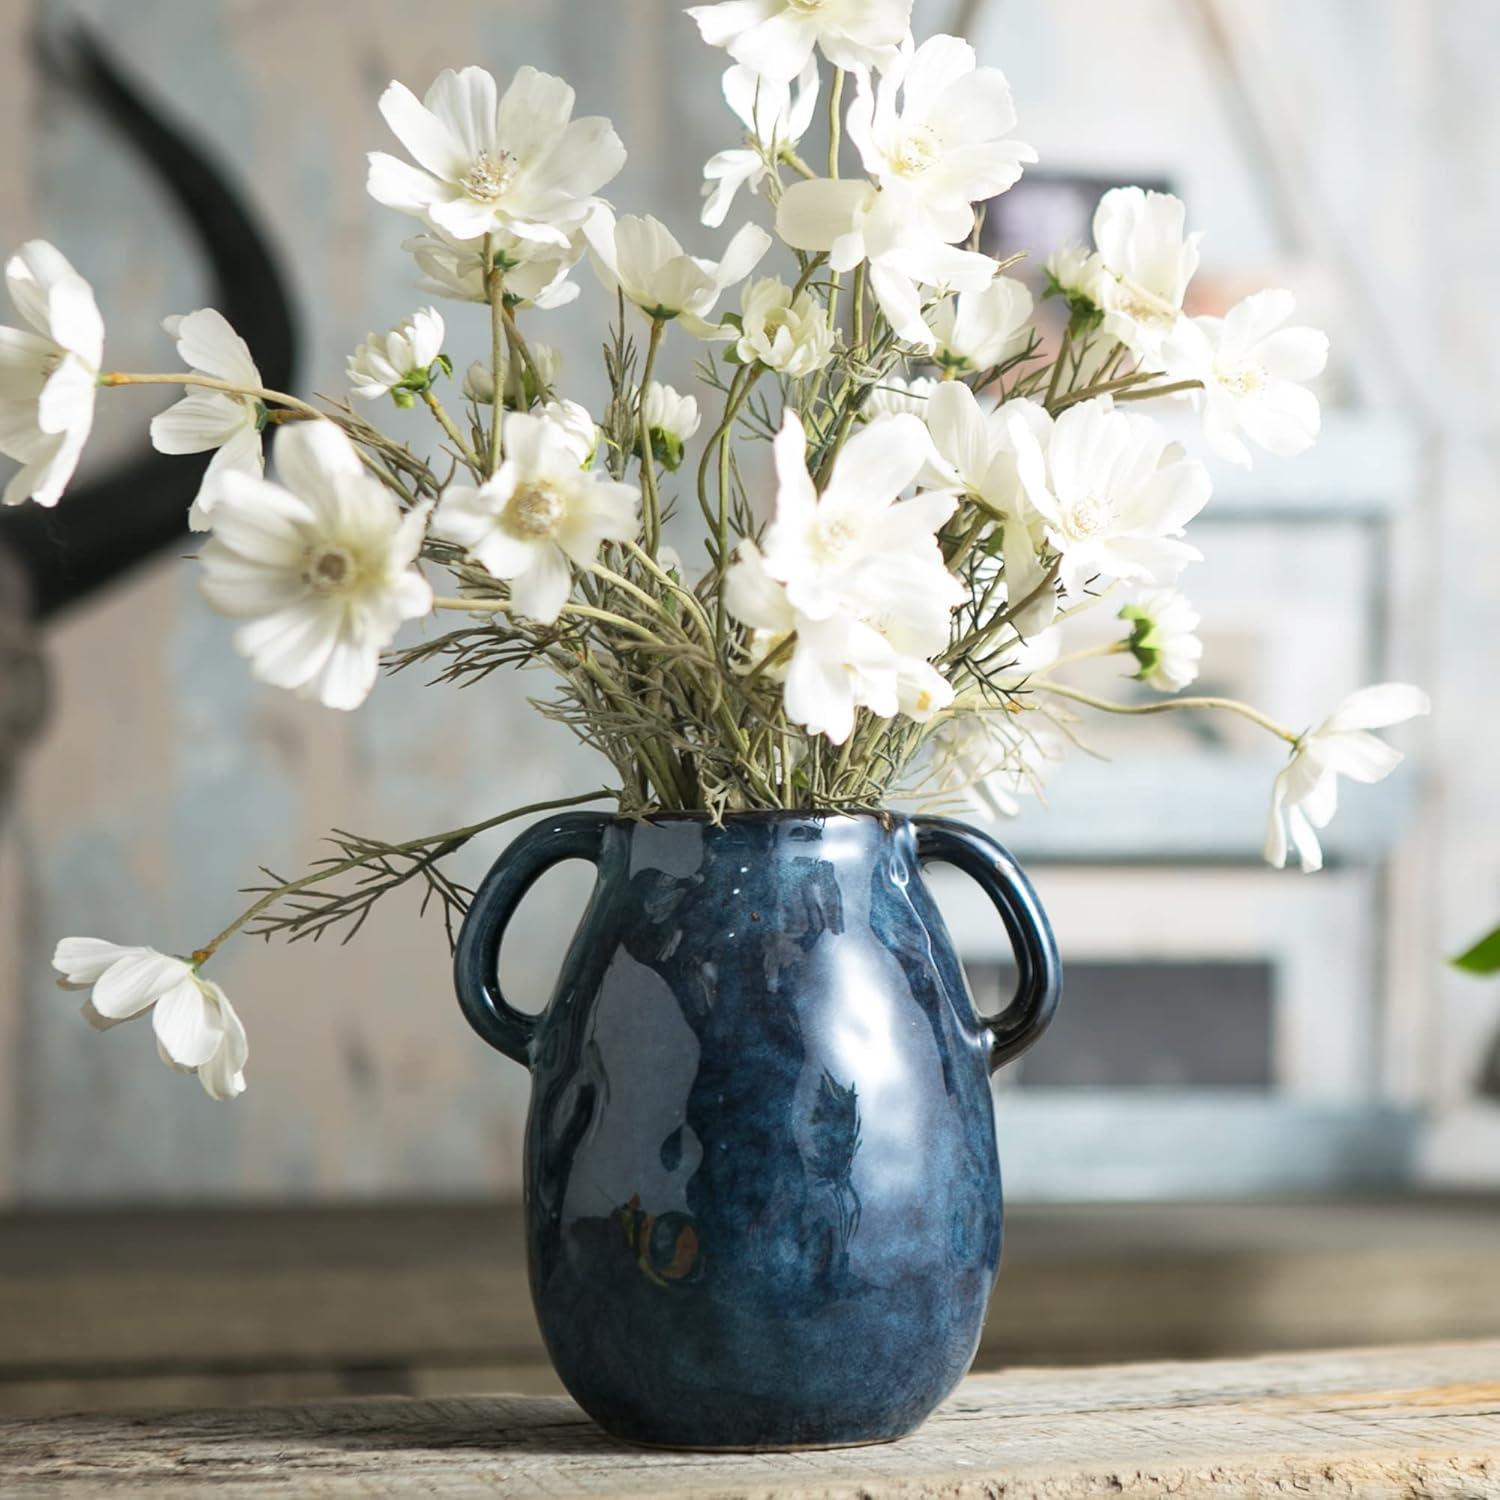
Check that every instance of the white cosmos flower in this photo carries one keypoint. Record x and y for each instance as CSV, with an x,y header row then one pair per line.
x,y
989,761
944,145
535,271
212,419
790,335
852,221
922,692
835,666
979,330
1305,795
643,258
775,120
856,577
1146,259
48,373
518,163
776,38
1163,639
929,159
539,513
895,396
1112,493
977,454
397,363
856,547
320,565
196,1027
1251,367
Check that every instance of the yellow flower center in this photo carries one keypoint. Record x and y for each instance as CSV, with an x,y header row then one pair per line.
x,y
1087,517
835,536
806,7
327,570
1142,305
534,511
1243,380
916,152
490,177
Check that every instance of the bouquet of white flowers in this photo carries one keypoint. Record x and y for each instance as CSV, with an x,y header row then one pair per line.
x,y
951,485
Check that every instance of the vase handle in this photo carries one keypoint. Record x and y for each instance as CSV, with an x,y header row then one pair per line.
x,y
476,959
1040,984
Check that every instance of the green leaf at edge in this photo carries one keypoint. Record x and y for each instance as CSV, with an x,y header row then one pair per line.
x,y
1483,957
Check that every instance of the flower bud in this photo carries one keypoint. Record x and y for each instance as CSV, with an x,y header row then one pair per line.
x,y
671,419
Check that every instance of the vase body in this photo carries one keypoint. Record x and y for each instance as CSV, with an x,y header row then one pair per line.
x,y
762,1188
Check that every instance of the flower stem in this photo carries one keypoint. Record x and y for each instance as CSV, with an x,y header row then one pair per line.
x,y
1146,392
577,611
835,100
779,652
454,839
858,324
208,382
494,286
454,436
1088,653
1172,705
667,582
518,342
652,516
1057,368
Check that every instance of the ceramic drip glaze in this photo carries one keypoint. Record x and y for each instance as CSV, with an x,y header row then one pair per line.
x,y
763,1194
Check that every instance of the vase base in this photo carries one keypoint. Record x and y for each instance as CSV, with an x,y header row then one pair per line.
x,y
809,1447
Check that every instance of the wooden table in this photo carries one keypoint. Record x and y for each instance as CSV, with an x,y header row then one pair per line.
x,y
1417,1421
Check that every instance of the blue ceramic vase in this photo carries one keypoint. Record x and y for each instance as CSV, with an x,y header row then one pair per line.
x,y
762,1189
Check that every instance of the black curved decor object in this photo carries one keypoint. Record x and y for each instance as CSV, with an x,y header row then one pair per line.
x,y
103,529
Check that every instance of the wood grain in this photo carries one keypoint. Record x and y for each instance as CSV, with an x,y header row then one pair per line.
x,y
1396,1422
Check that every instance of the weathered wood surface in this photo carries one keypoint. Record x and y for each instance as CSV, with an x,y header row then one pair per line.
x,y
1372,1424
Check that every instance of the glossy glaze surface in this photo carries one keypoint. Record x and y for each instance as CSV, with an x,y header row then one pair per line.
x,y
762,1184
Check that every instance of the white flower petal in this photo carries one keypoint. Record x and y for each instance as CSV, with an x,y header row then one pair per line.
x,y
67,400
1377,707
431,141
313,457
139,978
542,590
877,464
397,184
200,421
207,342
83,960
186,1025
223,1075
813,215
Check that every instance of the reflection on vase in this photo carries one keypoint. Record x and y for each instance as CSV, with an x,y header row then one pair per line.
x,y
835,1127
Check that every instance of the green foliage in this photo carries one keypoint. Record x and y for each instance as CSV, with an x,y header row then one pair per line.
x,y
1483,958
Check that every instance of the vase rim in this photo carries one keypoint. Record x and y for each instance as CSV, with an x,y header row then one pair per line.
x,y
882,816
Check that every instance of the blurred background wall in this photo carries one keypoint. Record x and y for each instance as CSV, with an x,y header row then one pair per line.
x,y
1233,1029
